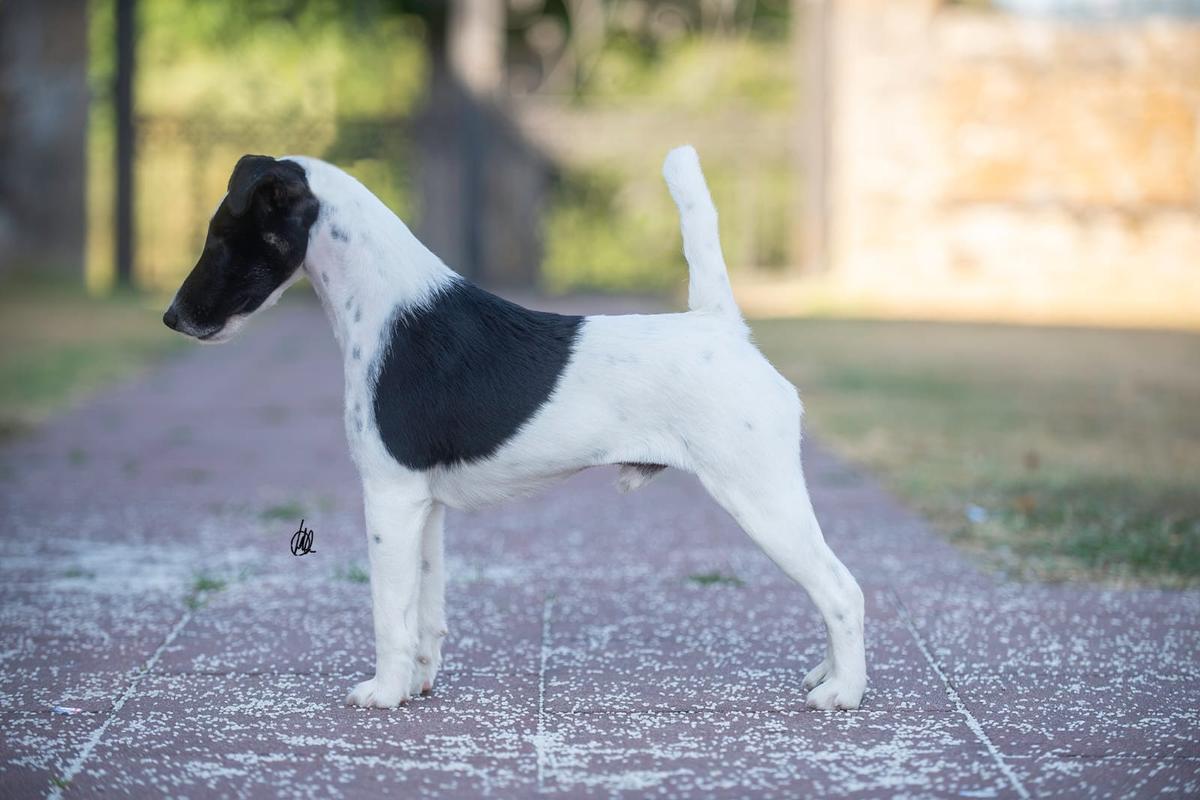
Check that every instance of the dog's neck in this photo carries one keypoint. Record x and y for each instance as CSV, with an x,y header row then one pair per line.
x,y
363,262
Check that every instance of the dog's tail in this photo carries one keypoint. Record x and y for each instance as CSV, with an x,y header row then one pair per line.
x,y
708,284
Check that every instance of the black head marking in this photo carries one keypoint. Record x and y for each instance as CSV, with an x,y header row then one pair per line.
x,y
282,181
257,239
339,234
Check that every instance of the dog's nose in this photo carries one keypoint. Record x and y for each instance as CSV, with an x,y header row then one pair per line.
x,y
171,319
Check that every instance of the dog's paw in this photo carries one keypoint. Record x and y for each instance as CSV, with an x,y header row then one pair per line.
x,y
425,672
834,694
817,674
377,693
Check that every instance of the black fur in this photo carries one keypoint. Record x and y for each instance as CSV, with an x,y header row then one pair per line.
x,y
462,375
647,470
256,240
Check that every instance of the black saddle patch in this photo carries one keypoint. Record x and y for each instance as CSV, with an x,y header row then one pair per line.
x,y
461,376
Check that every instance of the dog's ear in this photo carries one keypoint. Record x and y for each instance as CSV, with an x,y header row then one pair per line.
x,y
255,174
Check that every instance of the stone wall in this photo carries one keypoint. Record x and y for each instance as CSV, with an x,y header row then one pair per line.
x,y
982,164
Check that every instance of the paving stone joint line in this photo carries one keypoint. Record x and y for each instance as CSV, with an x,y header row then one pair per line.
x,y
959,705
76,765
540,743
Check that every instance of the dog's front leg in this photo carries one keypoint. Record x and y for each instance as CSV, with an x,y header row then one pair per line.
x,y
396,518
432,603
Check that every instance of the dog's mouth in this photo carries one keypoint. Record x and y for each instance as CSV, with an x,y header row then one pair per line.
x,y
208,333
225,332
199,334
218,335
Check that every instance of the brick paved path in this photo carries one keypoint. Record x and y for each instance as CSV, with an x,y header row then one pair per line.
x,y
585,658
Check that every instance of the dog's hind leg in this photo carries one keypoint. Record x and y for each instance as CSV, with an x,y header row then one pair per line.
x,y
396,519
774,509
432,604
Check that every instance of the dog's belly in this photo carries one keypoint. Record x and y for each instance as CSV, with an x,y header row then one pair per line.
x,y
472,486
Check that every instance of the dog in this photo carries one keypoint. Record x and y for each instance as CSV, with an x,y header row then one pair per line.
x,y
457,398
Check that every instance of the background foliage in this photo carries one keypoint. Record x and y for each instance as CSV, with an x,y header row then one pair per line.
x,y
217,79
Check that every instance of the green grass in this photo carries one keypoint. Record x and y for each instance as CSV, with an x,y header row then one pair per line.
x,y
1080,448
57,344
203,587
284,511
354,574
205,583
715,579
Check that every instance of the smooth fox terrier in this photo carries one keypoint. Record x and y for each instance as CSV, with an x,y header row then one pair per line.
x,y
456,397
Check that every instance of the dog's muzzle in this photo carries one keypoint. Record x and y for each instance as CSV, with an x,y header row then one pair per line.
x,y
173,320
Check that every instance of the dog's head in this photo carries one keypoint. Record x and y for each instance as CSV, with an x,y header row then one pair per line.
x,y
257,240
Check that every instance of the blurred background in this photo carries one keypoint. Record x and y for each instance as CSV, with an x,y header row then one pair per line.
x,y
891,174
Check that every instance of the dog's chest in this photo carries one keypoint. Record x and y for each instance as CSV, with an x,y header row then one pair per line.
x,y
356,413
362,355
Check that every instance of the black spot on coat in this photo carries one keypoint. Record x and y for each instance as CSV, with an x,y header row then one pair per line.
x,y
462,375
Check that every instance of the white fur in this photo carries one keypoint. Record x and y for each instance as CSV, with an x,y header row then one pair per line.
x,y
686,390
708,278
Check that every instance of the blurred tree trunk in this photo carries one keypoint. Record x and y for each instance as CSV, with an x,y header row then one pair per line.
x,y
483,187
126,139
43,135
